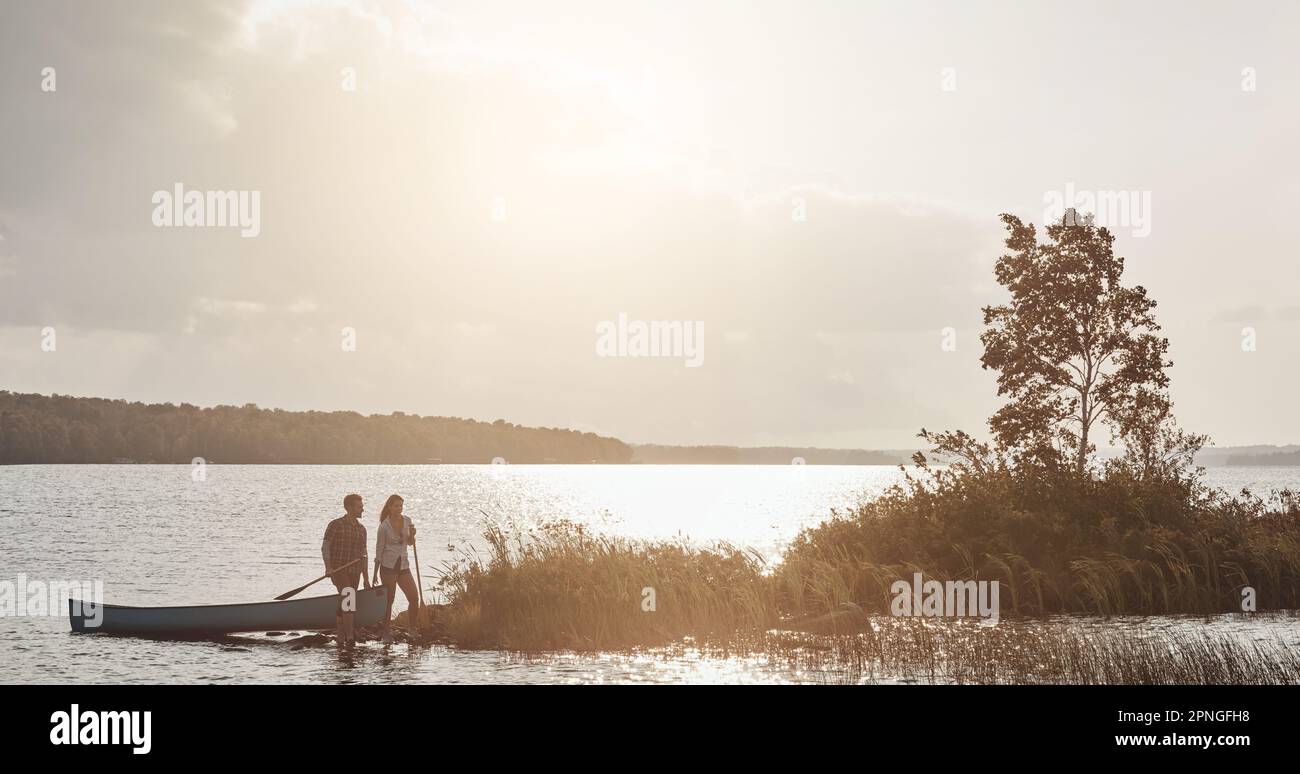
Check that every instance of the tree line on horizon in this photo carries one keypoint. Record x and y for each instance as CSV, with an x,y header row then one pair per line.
x,y
1272,459
39,429
59,429
652,454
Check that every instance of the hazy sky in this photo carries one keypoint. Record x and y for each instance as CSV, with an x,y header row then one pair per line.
x,y
809,180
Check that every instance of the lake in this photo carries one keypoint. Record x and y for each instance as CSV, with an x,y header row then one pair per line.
x,y
156,536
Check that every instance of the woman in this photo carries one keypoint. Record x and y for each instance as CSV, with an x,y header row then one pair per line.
x,y
395,533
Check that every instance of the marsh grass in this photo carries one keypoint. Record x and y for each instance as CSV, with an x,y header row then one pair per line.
x,y
560,586
1029,651
1111,546
1047,651
1102,547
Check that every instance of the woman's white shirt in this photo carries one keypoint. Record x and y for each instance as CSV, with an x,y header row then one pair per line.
x,y
390,543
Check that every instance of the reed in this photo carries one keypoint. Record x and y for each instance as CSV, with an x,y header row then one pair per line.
x,y
1043,651
1050,651
1111,546
1107,546
559,586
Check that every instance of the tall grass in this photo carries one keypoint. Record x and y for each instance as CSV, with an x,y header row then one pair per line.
x,y
1024,652
560,586
1031,651
1110,546
1113,545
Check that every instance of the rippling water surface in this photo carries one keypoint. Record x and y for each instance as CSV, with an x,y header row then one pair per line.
x,y
154,536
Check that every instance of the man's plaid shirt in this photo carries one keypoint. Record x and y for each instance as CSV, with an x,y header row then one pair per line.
x,y
345,540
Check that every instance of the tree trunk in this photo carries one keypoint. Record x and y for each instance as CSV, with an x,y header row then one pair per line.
x,y
1083,436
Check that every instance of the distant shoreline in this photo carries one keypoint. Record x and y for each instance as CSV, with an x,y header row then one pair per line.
x,y
633,463
61,430
476,464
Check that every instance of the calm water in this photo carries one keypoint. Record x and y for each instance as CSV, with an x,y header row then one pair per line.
x,y
156,537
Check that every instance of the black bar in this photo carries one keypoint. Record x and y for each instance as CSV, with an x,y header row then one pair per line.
x,y
231,725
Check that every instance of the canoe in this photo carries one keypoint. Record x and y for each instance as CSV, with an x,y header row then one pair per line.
x,y
206,620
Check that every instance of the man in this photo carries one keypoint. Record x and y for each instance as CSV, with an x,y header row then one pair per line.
x,y
344,552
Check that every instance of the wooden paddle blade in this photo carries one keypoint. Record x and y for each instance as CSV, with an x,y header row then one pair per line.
x,y
298,590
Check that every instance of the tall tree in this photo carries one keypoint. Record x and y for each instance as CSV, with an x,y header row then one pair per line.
x,y
1074,347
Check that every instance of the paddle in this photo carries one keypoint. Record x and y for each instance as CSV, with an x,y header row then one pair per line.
x,y
288,594
419,587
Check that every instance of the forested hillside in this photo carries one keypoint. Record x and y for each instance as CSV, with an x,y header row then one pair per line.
x,y
61,429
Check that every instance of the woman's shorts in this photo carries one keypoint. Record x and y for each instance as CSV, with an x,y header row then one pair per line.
x,y
389,576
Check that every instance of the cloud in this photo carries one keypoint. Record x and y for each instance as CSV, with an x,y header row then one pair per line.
x,y
377,215
481,201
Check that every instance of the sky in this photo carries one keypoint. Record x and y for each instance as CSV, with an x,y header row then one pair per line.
x,y
455,198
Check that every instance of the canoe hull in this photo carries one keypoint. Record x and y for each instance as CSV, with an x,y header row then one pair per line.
x,y
201,620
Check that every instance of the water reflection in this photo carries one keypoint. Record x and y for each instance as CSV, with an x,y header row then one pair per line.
x,y
156,537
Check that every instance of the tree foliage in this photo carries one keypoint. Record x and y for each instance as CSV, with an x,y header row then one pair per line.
x,y
1075,350
61,429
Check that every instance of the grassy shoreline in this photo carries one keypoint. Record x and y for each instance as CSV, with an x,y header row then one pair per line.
x,y
1103,547
561,586
1027,650
1032,651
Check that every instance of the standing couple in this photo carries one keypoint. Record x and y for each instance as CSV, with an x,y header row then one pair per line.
x,y
344,552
